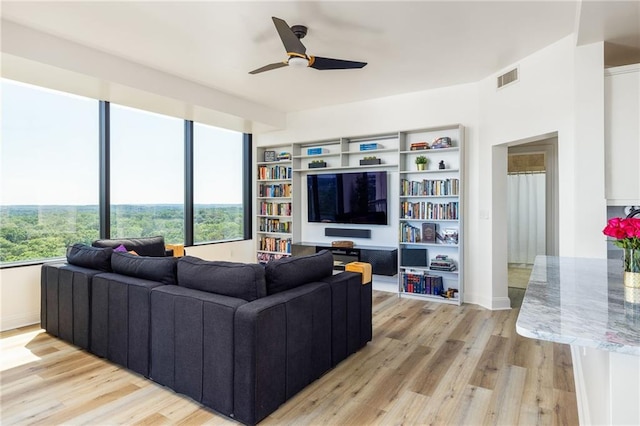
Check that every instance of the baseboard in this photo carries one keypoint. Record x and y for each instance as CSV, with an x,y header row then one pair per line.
x,y
500,303
494,304
9,322
385,283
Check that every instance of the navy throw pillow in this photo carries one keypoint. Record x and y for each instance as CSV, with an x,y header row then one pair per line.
x,y
290,272
90,257
242,280
159,269
145,246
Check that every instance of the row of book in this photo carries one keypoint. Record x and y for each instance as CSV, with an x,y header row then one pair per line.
x,y
428,187
282,245
410,234
268,257
276,190
274,225
429,210
274,209
418,146
422,283
274,172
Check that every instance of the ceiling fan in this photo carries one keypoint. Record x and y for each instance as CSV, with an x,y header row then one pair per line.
x,y
298,57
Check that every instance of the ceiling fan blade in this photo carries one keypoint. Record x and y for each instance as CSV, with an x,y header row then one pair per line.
x,y
292,43
320,63
269,67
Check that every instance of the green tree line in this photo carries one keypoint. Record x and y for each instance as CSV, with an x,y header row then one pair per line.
x,y
43,232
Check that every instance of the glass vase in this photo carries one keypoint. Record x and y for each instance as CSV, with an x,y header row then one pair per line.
x,y
632,275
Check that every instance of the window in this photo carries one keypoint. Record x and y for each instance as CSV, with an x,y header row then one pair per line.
x,y
49,174
218,179
147,175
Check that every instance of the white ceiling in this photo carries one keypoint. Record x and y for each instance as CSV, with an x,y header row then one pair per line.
x,y
409,46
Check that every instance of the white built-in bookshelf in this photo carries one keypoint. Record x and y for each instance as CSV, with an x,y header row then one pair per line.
x,y
431,220
274,192
430,202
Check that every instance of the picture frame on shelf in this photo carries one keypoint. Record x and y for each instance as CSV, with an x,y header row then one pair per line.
x,y
429,234
270,156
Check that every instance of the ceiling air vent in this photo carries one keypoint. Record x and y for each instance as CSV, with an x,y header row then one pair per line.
x,y
508,78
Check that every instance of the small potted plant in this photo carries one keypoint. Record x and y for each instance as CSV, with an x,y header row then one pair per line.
x,y
421,162
366,161
317,164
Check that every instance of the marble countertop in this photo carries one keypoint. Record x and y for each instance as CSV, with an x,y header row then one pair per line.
x,y
580,302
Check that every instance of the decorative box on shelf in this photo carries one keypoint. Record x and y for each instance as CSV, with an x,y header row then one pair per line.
x,y
370,161
317,164
316,151
368,146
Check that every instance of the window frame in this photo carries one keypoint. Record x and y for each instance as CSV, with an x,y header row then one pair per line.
x,y
104,190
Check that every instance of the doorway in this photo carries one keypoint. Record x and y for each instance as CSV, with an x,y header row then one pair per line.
x,y
532,207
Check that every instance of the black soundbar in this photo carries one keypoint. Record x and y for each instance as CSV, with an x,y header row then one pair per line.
x,y
347,232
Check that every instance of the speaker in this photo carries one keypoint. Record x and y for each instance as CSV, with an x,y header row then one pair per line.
x,y
383,262
413,257
346,232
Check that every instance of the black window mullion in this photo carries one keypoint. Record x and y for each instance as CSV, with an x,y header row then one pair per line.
x,y
188,183
247,184
104,201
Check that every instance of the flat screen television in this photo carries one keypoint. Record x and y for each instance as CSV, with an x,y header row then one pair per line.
x,y
359,197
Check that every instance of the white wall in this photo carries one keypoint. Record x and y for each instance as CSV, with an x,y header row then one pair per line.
x,y
19,296
560,90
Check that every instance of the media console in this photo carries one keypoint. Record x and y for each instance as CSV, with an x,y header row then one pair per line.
x,y
383,260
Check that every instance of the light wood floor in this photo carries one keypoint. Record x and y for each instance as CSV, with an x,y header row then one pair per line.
x,y
427,364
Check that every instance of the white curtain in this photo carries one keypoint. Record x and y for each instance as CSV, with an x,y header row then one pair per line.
x,y
527,226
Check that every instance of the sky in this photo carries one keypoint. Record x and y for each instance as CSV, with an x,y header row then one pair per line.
x,y
49,153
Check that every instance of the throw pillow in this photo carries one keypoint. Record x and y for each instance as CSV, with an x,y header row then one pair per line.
x,y
290,272
160,269
145,246
242,280
120,249
90,257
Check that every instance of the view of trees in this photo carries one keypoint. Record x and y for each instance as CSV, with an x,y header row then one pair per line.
x,y
43,232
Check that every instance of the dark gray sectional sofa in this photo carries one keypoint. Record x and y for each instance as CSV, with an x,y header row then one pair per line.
x,y
239,338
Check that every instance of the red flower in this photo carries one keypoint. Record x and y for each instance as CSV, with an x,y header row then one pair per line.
x,y
625,231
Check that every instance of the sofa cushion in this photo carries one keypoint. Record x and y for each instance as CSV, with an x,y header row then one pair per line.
x,y
160,269
146,246
241,280
90,257
290,272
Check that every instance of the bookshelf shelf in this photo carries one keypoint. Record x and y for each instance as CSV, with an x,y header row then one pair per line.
x,y
274,252
426,172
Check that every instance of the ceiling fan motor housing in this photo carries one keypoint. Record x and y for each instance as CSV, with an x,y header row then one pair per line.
x,y
299,30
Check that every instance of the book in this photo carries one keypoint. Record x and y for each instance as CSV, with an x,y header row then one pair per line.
x,y
428,232
416,146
